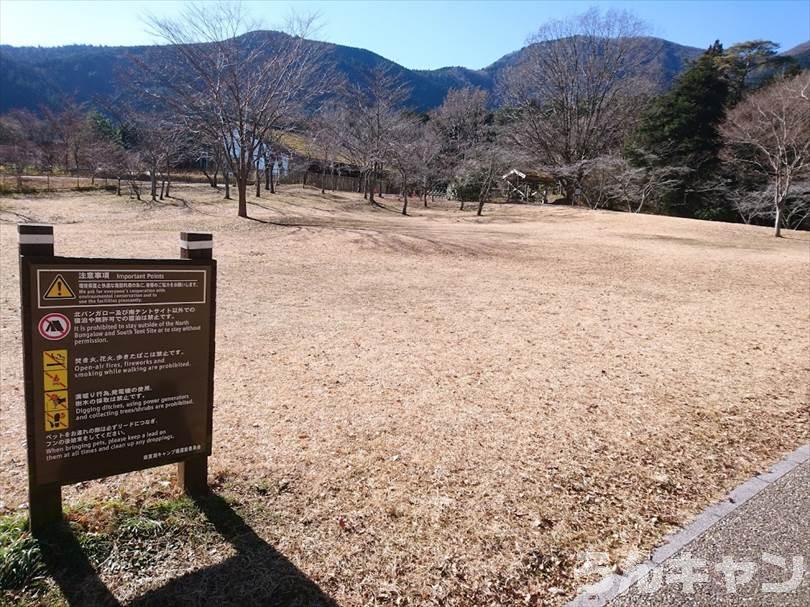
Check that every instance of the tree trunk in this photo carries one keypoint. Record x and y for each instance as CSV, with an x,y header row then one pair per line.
x,y
404,197
168,179
778,222
118,190
272,179
241,188
227,176
153,182
481,199
208,177
372,176
268,172
258,182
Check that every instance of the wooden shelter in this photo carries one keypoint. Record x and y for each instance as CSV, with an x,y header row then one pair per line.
x,y
524,187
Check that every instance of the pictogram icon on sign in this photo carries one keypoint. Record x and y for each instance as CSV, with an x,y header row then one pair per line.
x,y
56,401
59,289
56,420
55,380
54,360
54,326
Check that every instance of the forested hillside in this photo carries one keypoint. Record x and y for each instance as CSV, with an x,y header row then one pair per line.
x,y
31,77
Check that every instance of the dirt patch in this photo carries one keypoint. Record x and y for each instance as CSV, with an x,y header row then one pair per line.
x,y
456,406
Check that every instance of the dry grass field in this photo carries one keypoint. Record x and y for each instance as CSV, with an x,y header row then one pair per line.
x,y
442,409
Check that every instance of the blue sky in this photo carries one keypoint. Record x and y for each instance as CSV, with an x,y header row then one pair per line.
x,y
416,34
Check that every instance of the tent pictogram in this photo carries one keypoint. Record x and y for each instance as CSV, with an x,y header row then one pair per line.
x,y
54,326
59,289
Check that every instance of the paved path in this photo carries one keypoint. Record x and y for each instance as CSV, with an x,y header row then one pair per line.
x,y
759,549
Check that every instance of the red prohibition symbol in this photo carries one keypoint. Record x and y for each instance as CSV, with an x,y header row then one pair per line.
x,y
54,326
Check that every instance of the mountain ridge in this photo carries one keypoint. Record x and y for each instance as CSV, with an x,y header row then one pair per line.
x,y
31,77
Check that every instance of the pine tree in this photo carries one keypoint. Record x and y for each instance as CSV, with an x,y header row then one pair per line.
x,y
682,129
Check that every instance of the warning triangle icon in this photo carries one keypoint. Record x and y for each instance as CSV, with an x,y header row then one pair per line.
x,y
59,289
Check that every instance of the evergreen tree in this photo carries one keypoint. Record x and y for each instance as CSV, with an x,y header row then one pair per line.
x,y
752,65
681,128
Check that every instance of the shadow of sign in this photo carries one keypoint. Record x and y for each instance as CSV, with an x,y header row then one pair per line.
x,y
67,563
257,575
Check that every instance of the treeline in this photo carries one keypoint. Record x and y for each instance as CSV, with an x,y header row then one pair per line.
x,y
729,141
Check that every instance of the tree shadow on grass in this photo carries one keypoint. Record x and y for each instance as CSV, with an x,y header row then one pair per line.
x,y
257,575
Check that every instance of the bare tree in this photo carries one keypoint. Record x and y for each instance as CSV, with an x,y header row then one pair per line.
x,y
769,131
147,135
372,114
470,155
426,152
640,188
233,85
208,152
326,137
460,123
67,127
16,147
400,152
576,95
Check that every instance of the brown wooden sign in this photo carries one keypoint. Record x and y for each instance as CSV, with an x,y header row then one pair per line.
x,y
119,360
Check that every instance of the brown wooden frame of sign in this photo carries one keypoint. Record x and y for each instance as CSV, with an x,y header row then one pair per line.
x,y
36,247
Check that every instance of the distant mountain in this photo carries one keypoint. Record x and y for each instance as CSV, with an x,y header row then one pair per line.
x,y
801,53
31,77
666,61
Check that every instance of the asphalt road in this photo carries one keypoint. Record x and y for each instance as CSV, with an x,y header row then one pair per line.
x,y
769,534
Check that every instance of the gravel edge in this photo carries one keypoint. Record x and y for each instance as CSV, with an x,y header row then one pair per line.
x,y
618,584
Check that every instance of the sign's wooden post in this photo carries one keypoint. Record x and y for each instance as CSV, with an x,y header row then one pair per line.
x,y
44,501
192,473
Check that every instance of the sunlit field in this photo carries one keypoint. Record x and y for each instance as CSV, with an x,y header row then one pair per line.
x,y
441,408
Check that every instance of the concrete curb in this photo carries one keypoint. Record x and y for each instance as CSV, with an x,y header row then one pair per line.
x,y
618,584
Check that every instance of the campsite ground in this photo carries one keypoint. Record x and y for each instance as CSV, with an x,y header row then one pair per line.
x,y
444,409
